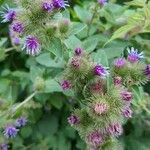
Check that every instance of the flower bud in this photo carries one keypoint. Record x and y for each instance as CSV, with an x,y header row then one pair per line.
x,y
127,96
100,108
115,129
73,119
117,80
147,70
64,25
95,138
39,84
65,84
127,112
78,51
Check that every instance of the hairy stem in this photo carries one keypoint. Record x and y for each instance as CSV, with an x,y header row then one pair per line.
x,y
91,21
24,102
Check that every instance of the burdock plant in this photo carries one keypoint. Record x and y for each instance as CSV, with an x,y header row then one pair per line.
x,y
33,21
100,117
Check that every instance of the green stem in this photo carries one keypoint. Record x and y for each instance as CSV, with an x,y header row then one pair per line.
x,y
9,49
91,21
24,102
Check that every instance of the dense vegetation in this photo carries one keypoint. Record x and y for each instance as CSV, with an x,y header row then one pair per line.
x,y
74,75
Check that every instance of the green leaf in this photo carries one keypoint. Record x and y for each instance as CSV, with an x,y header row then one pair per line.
x,y
90,44
48,125
26,131
140,3
101,57
46,60
75,28
52,86
72,42
56,100
83,14
63,143
120,33
55,47
35,72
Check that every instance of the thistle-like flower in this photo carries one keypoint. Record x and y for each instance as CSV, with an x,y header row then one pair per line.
x,y
14,37
8,14
92,148
117,80
3,147
65,84
100,108
10,131
102,2
78,51
147,70
126,95
17,27
59,3
21,121
31,45
119,62
75,62
127,112
73,119
133,55
100,70
115,129
96,87
47,6
16,41
95,138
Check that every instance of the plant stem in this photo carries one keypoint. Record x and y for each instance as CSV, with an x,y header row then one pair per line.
x,y
91,21
24,102
9,49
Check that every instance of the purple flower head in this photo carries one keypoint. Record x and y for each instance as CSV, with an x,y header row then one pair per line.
x,y
92,148
119,62
117,80
65,84
16,40
75,62
47,6
73,119
133,55
115,129
96,87
102,2
100,70
100,108
8,14
3,147
147,70
59,3
31,45
127,112
17,27
10,131
95,138
21,121
78,51
127,96
14,37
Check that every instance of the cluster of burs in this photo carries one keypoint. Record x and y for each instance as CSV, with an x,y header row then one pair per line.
x,y
33,24
105,96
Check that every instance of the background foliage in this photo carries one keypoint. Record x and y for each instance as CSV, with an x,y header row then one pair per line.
x,y
105,34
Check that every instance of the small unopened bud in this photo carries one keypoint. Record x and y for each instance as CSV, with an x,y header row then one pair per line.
x,y
38,84
117,80
78,51
64,25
